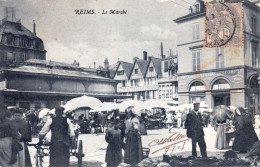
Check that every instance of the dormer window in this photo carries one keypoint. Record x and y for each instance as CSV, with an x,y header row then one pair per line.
x,y
197,8
136,71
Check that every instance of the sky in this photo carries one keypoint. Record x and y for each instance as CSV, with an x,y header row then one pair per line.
x,y
90,38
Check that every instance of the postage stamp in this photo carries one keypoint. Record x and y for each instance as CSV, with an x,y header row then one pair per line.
x,y
223,25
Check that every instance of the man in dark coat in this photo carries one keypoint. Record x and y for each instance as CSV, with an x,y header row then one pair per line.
x,y
61,131
195,131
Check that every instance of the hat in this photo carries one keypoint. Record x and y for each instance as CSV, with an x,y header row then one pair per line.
x,y
240,111
59,110
196,101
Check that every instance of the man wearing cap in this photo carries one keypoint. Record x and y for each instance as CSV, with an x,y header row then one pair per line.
x,y
195,131
61,132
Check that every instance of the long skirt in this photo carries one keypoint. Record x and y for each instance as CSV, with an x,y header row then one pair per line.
x,y
59,154
113,155
6,152
133,148
221,139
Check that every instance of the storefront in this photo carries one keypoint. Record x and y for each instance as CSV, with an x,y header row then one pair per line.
x,y
216,87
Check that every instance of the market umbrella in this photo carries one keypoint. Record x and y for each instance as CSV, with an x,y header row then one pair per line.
x,y
221,113
131,103
82,102
153,103
43,112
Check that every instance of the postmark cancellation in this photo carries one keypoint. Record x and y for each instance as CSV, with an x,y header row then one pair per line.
x,y
223,25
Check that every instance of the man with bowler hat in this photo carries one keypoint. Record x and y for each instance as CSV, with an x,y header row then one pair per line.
x,y
195,131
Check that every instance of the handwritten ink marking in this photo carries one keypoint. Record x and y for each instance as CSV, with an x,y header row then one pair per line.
x,y
166,148
157,142
175,140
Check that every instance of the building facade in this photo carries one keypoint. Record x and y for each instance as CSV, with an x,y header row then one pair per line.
x,y
39,84
148,78
17,43
222,75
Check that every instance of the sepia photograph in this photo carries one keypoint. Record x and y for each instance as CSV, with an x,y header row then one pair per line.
x,y
133,83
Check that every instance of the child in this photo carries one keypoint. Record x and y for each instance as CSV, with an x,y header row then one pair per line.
x,y
114,148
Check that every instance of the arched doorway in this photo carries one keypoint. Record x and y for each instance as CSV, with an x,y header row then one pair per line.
x,y
252,94
197,91
220,91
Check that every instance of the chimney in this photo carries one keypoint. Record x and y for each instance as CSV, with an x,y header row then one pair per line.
x,y
9,14
34,27
162,56
145,55
106,64
94,65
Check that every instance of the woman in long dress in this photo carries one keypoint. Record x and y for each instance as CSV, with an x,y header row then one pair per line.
x,y
245,135
221,139
114,149
9,140
133,147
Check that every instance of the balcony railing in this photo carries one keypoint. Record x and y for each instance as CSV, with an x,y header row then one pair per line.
x,y
137,88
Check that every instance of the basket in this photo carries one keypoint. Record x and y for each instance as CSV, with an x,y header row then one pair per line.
x,y
146,152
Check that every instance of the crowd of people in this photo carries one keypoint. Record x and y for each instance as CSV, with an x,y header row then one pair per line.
x,y
235,132
122,130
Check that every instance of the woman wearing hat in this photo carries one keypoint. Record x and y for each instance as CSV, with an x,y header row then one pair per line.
x,y
133,146
245,135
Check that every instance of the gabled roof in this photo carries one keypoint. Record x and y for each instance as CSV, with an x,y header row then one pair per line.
x,y
127,68
142,64
157,64
113,68
16,28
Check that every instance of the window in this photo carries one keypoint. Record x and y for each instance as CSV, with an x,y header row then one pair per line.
x,y
197,86
197,8
195,32
136,71
151,69
120,72
220,84
9,39
166,66
123,83
132,82
254,55
220,60
253,24
196,60
10,56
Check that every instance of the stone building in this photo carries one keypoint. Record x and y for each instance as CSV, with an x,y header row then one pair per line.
x,y
17,43
223,75
40,83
